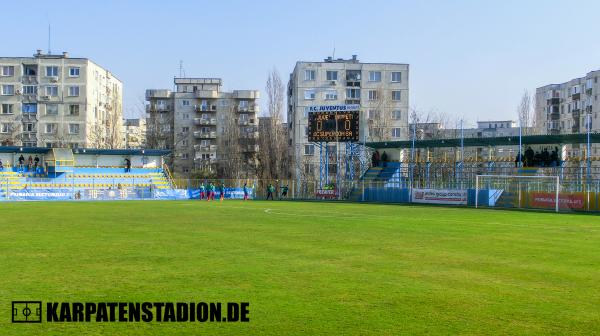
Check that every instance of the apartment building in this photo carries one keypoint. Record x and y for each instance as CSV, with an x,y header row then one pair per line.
x,y
567,107
205,127
381,90
59,101
134,133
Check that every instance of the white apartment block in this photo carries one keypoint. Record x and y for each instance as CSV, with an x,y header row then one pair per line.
x,y
58,101
381,90
134,133
566,108
206,128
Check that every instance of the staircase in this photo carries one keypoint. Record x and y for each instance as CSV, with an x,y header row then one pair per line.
x,y
9,180
377,177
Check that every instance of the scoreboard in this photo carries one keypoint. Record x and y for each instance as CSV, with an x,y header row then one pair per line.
x,y
333,123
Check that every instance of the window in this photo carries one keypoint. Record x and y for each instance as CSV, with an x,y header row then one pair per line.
x,y
28,127
309,149
331,95
396,132
73,110
185,102
52,91
373,114
184,143
309,94
373,95
308,169
74,72
5,128
244,104
51,71
332,149
8,90
73,128
29,70
8,70
309,75
352,93
185,129
184,156
332,75
29,108
50,128
396,114
51,109
396,95
7,108
205,143
224,102
29,144
73,91
186,116
374,76
396,77
29,89
575,89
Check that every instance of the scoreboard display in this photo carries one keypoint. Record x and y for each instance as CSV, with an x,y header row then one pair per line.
x,y
333,126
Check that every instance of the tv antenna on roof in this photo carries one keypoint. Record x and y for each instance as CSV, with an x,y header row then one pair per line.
x,y
49,40
181,69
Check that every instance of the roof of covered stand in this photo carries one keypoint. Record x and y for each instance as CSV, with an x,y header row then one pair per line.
x,y
491,141
90,151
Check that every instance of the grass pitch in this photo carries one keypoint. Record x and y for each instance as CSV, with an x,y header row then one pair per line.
x,y
306,268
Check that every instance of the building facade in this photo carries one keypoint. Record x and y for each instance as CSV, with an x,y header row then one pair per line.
x,y
205,127
58,101
381,90
568,107
134,133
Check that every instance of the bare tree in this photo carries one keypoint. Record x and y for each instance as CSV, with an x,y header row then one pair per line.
x,y
524,112
273,151
233,147
379,115
12,132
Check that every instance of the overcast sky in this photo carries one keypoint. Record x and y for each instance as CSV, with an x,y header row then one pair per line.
x,y
470,59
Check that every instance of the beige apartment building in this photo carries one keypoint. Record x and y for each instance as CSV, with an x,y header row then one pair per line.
x,y
381,90
59,101
205,127
134,133
566,108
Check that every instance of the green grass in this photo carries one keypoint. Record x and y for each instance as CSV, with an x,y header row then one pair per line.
x,y
307,268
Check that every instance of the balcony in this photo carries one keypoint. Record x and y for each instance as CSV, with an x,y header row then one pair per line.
x,y
206,94
554,116
206,108
205,135
250,148
588,91
252,108
576,96
29,80
158,108
249,135
205,148
553,101
157,94
205,121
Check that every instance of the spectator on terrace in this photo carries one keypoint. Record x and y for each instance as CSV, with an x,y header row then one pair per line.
x,y
1,166
384,158
554,157
529,154
21,161
36,161
377,158
127,165
29,163
518,159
